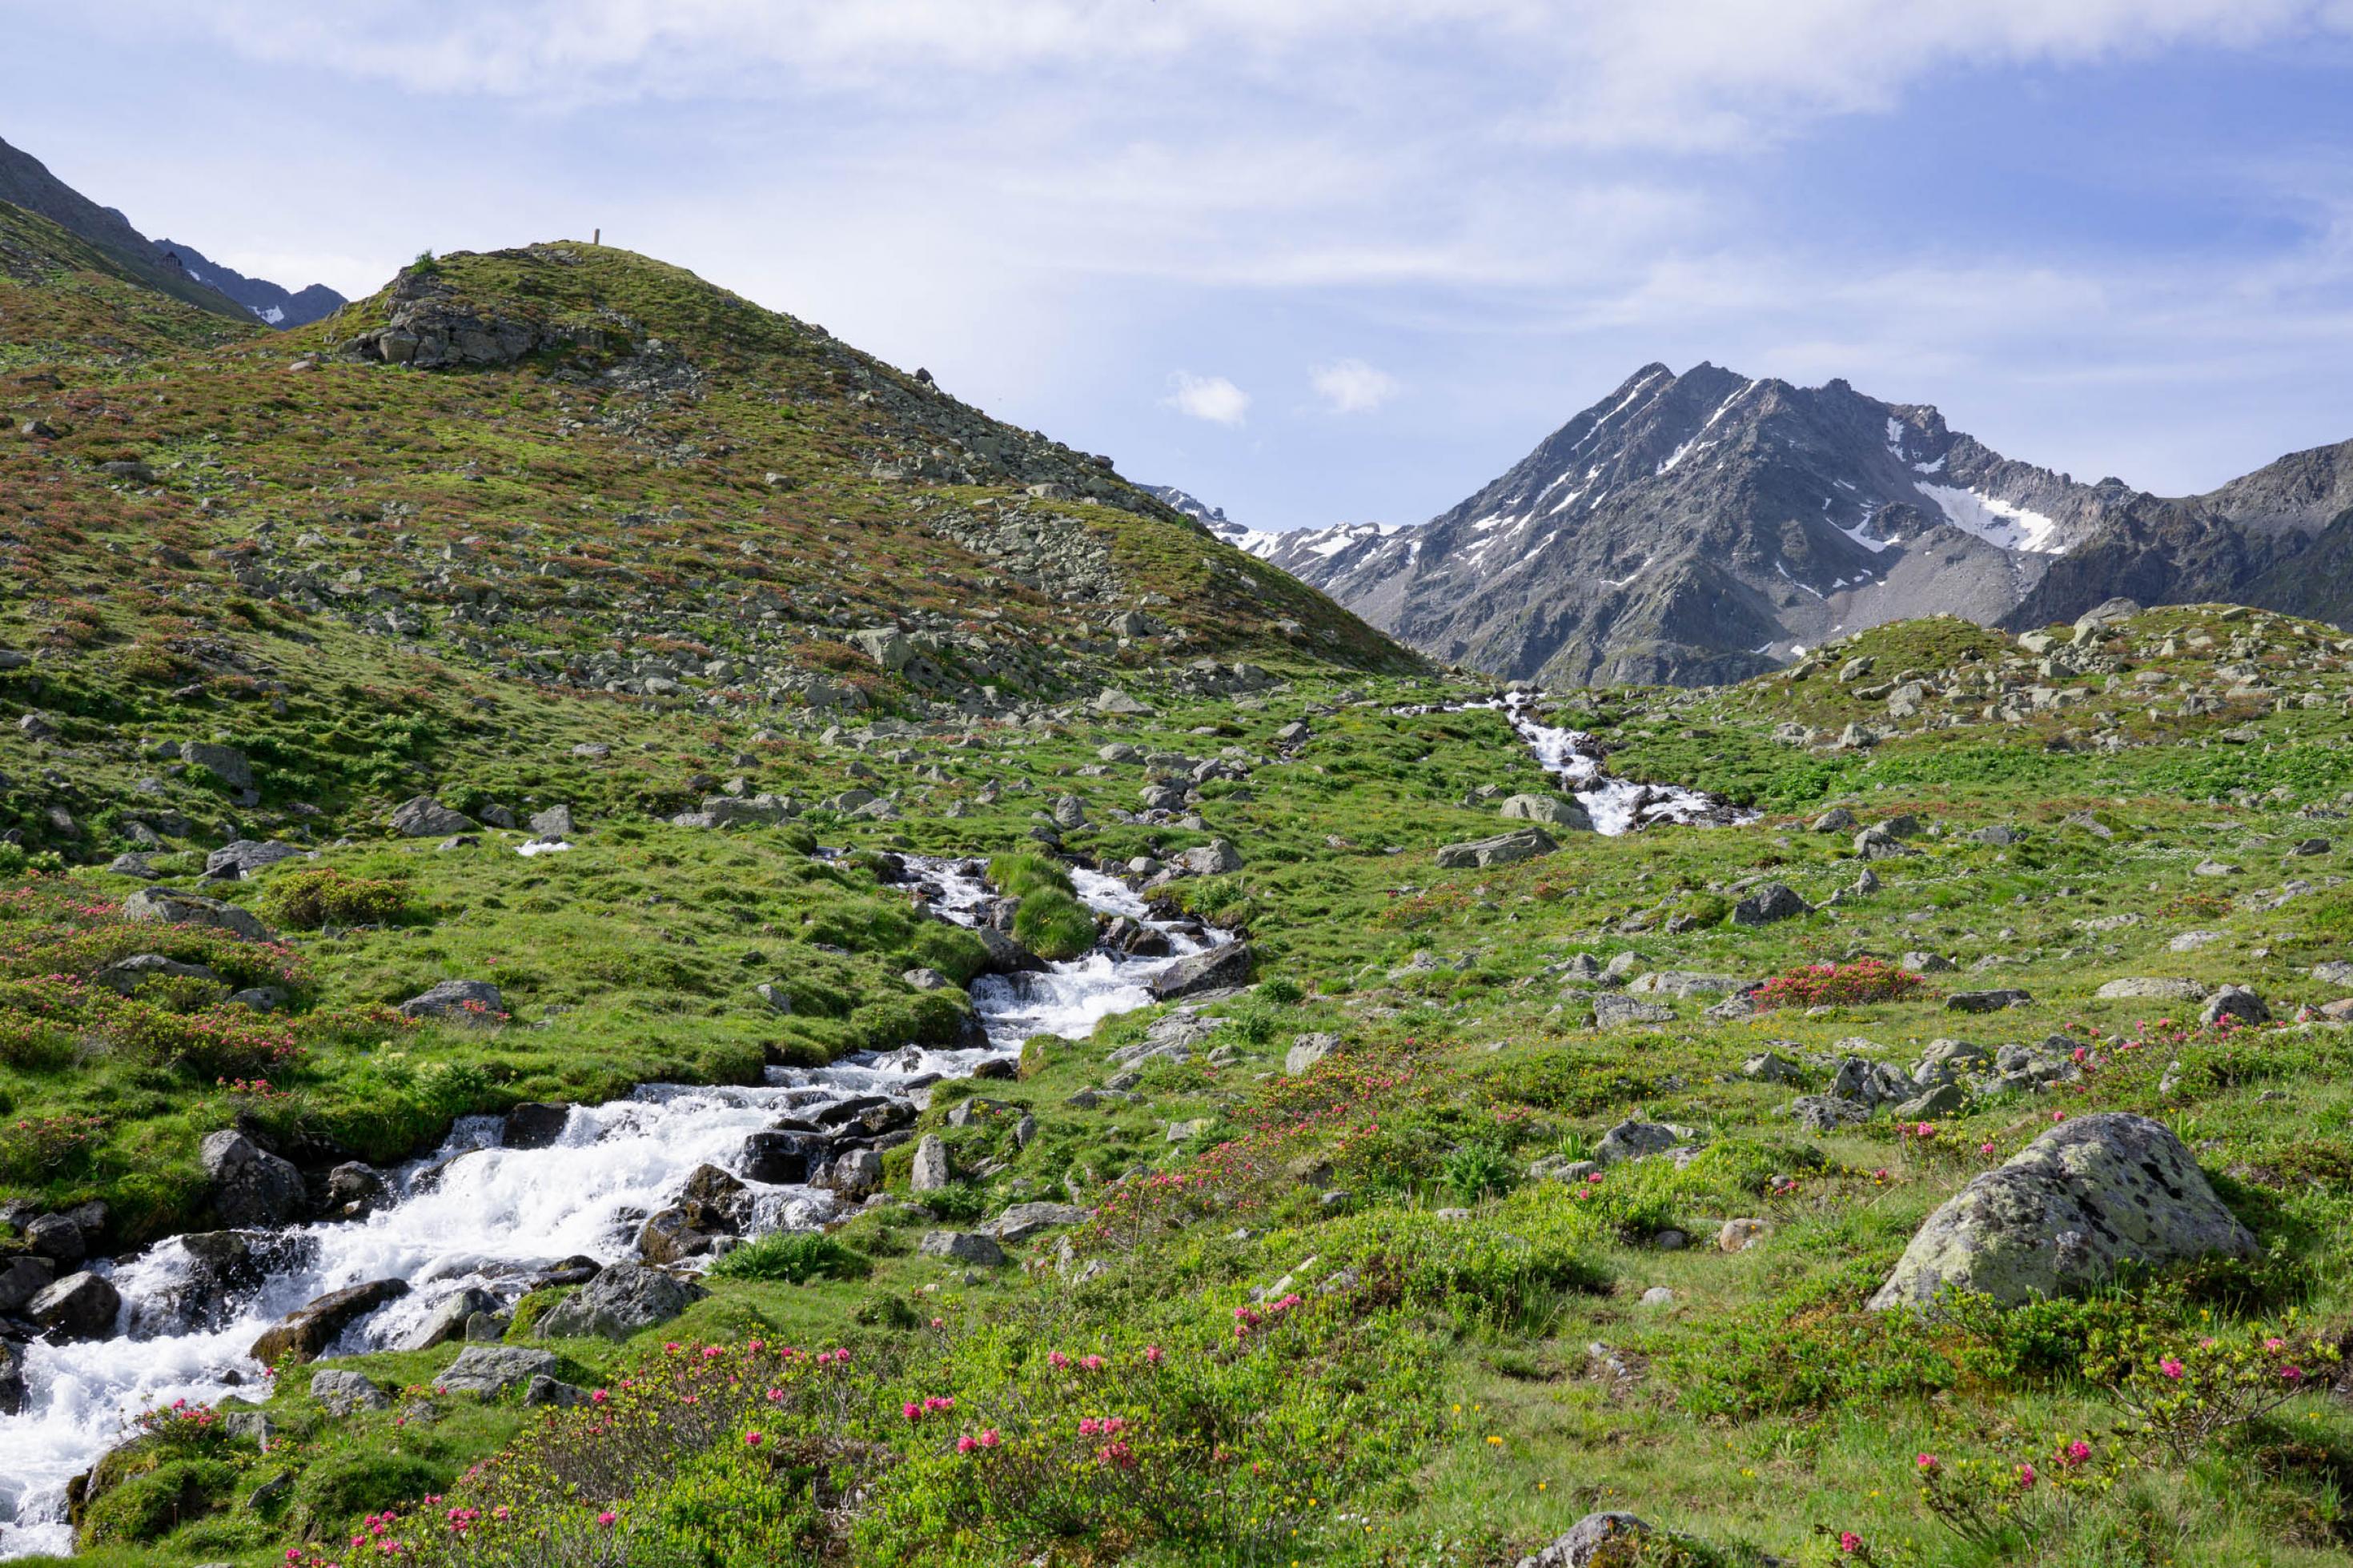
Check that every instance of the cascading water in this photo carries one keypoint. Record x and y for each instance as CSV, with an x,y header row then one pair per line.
x,y
473,1213
1616,806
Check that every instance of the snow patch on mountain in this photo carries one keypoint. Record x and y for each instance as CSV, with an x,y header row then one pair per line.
x,y
1998,522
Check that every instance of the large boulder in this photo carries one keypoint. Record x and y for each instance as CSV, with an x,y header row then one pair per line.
x,y
1772,902
962,1245
425,817
490,1370
931,1172
167,907
252,1188
228,765
1022,1221
626,1299
2084,1197
305,1334
1557,811
341,1392
449,1320
1007,956
2151,988
21,1279
778,1158
77,1307
1215,970
1214,859
1503,849
475,1002
534,1125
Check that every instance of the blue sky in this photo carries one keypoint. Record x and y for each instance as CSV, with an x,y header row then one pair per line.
x,y
1324,260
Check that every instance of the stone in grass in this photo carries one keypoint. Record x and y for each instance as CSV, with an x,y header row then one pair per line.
x,y
490,1370
931,1173
1503,849
2234,1002
1555,811
1986,1001
2150,988
2086,1197
1306,1050
621,1301
425,817
169,907
1828,1112
1772,902
1596,1540
342,1393
475,1002
1612,1011
1637,1139
963,1246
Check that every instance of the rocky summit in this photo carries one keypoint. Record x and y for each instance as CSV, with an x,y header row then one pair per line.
x,y
634,936
1702,528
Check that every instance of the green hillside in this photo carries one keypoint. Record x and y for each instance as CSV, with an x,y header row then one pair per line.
x,y
1493,1197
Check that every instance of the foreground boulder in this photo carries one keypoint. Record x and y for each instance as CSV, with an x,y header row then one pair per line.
x,y
305,1334
78,1307
1212,971
252,1188
2059,1218
490,1370
1595,1542
459,1001
425,817
1557,811
1503,849
168,908
624,1299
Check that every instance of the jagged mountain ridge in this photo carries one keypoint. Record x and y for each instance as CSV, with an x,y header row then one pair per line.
x,y
270,304
25,182
1702,528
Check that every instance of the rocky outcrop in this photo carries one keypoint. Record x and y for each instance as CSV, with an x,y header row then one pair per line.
x,y
2059,1218
305,1334
624,1299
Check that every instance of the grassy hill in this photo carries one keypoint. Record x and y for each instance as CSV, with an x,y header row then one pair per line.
x,y
1364,1276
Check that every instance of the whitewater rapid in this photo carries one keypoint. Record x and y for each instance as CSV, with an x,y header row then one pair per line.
x,y
1616,806
473,1214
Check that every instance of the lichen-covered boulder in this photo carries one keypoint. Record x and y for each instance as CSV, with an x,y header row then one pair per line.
x,y
2059,1216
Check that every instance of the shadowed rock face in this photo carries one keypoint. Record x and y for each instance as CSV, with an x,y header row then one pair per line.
x,y
2080,1200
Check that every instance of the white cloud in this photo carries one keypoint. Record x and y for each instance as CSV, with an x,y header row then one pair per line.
x,y
1352,387
1209,397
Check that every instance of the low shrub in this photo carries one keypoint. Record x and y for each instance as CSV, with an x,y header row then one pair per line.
x,y
793,1258
1817,984
321,896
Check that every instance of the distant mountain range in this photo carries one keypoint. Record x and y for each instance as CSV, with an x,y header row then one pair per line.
x,y
1701,528
172,267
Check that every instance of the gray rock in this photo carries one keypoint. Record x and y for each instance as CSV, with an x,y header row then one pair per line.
x,y
1837,819
1596,1540
1613,1011
555,822
965,1246
474,1002
246,855
449,1318
425,817
169,907
1945,1100
21,1279
1632,1140
77,1307
1771,1066
490,1370
1986,1001
2059,1216
922,978
1828,1112
1503,849
342,1393
2150,989
930,1173
1685,983
56,1237
544,1390
225,763
626,1299
125,975
1215,970
2234,1002
251,1188
1773,901
1552,810
854,1174
1306,1050
1022,1221
2336,972
137,865
1214,859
